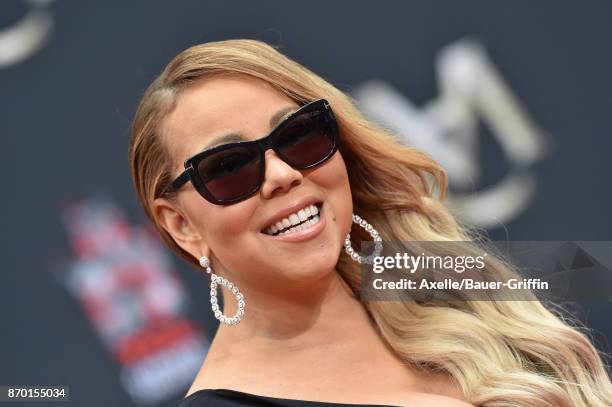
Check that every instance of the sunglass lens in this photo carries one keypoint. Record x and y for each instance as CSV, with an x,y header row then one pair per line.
x,y
307,140
231,173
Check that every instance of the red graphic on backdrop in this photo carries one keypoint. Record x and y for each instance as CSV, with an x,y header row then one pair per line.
x,y
125,283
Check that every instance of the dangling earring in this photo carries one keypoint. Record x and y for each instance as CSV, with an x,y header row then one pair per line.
x,y
215,279
373,232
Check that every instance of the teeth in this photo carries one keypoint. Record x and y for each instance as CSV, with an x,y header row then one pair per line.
x,y
300,220
314,210
293,218
302,215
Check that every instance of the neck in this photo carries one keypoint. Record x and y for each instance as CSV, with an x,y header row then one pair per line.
x,y
322,312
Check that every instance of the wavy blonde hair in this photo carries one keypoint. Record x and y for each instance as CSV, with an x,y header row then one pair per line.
x,y
500,353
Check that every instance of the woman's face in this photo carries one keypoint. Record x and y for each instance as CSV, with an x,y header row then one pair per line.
x,y
235,236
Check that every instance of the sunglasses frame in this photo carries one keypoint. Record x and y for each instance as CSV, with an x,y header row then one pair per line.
x,y
320,106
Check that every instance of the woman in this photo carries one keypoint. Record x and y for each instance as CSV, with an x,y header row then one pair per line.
x,y
268,219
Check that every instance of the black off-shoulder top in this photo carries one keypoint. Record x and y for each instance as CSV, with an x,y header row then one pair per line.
x,y
235,398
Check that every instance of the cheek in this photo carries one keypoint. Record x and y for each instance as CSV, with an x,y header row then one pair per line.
x,y
333,178
332,175
222,226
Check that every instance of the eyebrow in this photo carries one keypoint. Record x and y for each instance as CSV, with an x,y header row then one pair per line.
x,y
234,137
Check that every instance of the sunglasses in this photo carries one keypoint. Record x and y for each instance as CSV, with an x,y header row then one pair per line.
x,y
230,173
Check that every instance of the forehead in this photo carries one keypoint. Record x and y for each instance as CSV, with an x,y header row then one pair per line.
x,y
217,106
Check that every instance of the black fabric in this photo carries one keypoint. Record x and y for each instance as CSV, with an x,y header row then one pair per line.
x,y
234,398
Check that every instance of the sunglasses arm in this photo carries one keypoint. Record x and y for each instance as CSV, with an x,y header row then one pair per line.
x,y
179,181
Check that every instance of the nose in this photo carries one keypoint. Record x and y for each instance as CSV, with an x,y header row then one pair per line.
x,y
280,177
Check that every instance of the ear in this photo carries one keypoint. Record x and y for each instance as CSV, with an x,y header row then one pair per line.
x,y
171,218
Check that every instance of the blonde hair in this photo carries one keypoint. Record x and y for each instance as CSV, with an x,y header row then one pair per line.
x,y
500,353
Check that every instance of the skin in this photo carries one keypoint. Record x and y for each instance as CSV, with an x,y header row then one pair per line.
x,y
303,329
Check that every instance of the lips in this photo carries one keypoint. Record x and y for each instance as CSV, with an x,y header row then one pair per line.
x,y
296,217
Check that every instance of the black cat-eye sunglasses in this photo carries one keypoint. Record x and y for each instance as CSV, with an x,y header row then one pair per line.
x,y
232,172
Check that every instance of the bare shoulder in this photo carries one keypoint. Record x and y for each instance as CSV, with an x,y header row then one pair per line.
x,y
210,376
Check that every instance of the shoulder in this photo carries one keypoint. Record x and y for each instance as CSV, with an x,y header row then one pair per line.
x,y
216,368
196,399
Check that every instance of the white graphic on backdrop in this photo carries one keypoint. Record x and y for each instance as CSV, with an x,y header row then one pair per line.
x,y
471,89
28,35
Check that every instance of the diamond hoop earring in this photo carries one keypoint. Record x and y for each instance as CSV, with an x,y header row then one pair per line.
x,y
377,242
215,279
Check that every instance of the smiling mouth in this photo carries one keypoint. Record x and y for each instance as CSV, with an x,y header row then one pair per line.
x,y
299,220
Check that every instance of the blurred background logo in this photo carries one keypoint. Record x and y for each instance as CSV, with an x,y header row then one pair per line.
x,y
471,91
27,35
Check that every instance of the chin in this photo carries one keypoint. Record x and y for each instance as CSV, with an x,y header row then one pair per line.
x,y
311,270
